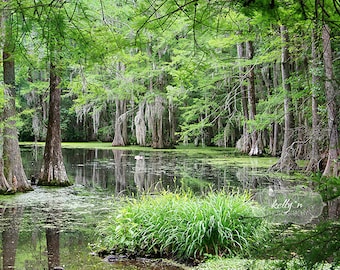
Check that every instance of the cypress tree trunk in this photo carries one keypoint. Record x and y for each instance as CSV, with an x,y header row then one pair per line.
x,y
172,123
154,116
243,144
256,145
4,186
13,168
53,172
140,125
286,163
120,137
157,133
332,166
314,157
274,146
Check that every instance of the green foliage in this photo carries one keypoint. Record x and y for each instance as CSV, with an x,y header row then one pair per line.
x,y
304,247
237,263
184,226
329,187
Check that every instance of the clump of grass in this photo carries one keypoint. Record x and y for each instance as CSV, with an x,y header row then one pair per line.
x,y
183,226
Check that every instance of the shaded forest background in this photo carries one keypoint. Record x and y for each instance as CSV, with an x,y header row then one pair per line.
x,y
259,75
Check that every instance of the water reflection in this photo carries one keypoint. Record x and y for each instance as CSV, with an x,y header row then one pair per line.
x,y
128,172
11,217
53,243
52,227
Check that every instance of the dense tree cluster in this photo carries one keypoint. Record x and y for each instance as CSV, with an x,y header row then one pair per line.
x,y
261,75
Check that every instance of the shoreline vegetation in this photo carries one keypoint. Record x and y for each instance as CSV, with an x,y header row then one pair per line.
x,y
217,230
184,227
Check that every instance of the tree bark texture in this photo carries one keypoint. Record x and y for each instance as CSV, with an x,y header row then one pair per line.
x,y
286,163
154,114
13,168
4,186
140,125
256,144
314,158
53,172
172,123
120,137
244,142
332,166
274,146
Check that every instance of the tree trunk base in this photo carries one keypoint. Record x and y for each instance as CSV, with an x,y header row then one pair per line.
x,y
285,165
243,144
332,168
53,183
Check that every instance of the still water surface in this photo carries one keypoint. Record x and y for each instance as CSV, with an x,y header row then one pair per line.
x,y
55,226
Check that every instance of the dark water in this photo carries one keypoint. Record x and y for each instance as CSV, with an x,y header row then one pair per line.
x,y
128,172
56,226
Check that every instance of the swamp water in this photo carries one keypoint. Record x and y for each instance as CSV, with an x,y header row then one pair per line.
x,y
56,226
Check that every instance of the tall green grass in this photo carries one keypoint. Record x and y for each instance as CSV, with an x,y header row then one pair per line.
x,y
183,226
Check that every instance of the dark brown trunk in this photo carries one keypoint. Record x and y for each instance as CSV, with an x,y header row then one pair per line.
x,y
53,247
10,236
53,172
286,163
332,166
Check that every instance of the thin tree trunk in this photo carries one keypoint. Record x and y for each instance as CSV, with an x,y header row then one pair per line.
x,y
53,172
256,145
158,126
286,163
314,157
172,123
332,166
243,143
275,126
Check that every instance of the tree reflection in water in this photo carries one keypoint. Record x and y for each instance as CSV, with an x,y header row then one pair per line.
x,y
120,170
53,243
11,217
